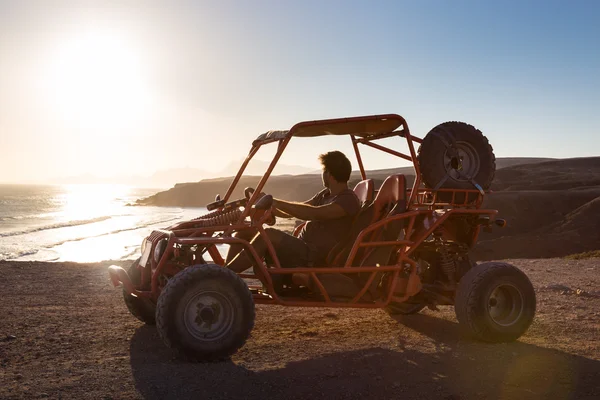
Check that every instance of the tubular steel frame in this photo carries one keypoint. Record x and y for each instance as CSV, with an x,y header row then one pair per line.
x,y
421,203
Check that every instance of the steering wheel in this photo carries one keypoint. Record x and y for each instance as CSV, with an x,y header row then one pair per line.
x,y
248,192
262,211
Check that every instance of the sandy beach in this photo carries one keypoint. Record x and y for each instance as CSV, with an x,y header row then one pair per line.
x,y
66,334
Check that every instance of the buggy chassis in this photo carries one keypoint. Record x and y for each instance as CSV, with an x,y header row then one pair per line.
x,y
427,213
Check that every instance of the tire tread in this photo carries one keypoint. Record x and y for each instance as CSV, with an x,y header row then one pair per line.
x,y
183,281
428,169
467,297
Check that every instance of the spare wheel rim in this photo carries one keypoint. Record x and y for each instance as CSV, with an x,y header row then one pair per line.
x,y
462,162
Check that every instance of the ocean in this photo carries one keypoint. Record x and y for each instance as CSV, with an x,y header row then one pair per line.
x,y
80,223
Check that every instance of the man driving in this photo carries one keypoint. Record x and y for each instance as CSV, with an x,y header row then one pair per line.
x,y
329,214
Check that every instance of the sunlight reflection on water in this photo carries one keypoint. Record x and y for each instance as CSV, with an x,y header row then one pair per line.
x,y
118,237
88,201
81,223
86,223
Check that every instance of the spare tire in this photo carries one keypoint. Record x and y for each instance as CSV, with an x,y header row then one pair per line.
x,y
456,155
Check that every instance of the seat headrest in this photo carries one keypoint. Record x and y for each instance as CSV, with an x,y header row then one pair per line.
x,y
364,190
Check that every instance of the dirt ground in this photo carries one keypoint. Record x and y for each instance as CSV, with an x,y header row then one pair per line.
x,y
66,334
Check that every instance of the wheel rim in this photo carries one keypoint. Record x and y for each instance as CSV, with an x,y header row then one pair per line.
x,y
208,316
505,305
462,163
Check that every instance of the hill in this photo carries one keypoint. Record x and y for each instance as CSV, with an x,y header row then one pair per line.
x,y
287,187
552,206
552,209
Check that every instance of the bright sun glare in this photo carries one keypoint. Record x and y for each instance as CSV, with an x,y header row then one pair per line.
x,y
97,79
91,201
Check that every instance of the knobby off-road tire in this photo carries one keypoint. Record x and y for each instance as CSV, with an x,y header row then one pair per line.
x,y
440,167
495,302
141,308
205,313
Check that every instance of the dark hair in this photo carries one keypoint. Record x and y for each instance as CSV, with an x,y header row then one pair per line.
x,y
337,164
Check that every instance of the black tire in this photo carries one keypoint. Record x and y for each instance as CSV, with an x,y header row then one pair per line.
x,y
142,309
495,302
404,308
198,330
463,266
440,167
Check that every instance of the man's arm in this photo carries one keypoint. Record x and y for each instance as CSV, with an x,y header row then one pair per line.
x,y
308,212
282,214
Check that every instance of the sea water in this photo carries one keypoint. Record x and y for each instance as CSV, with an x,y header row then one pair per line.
x,y
80,223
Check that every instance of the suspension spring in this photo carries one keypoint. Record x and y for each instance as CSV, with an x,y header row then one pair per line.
x,y
447,263
207,216
226,218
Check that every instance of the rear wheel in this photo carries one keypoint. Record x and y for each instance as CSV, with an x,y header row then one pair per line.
x,y
141,308
205,312
495,302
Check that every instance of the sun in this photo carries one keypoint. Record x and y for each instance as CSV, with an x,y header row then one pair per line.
x,y
97,79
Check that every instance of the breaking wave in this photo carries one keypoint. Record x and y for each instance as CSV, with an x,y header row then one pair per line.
x,y
19,254
145,225
55,226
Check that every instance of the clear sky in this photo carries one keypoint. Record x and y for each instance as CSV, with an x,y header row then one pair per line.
x,y
113,88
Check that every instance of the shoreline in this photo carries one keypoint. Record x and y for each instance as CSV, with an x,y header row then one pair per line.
x,y
286,225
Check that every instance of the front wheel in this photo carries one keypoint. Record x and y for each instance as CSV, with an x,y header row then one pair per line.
x,y
495,302
205,312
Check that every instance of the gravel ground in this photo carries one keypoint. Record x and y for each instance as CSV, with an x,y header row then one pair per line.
x,y
66,333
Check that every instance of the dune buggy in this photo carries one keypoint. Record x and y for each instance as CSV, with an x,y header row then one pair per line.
x,y
408,248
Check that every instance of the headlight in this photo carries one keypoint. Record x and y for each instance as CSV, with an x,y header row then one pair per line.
x,y
160,249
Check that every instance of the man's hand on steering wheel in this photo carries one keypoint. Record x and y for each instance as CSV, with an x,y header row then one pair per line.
x,y
262,208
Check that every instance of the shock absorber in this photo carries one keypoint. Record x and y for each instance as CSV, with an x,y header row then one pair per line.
x,y
207,216
446,260
223,218
447,263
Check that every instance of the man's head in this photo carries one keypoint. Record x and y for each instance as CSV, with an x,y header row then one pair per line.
x,y
336,168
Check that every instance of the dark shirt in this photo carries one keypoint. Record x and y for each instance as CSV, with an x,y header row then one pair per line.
x,y
324,234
